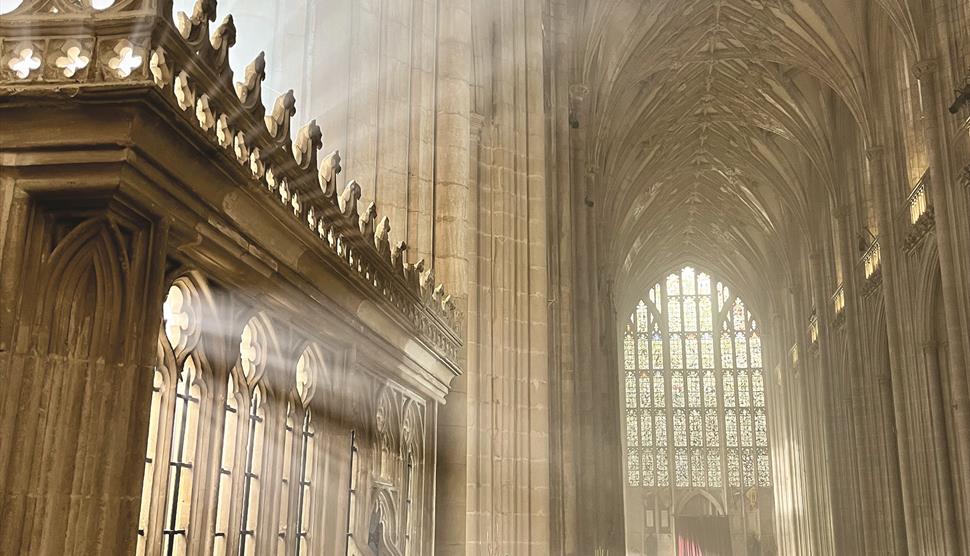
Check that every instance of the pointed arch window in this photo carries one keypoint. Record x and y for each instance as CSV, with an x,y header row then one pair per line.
x,y
298,464
694,388
173,427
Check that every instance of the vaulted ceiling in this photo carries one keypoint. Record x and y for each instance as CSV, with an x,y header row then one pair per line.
x,y
708,134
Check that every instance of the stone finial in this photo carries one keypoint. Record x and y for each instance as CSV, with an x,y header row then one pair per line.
x,y
382,239
309,140
349,199
195,28
278,121
368,220
250,89
413,272
427,279
222,40
329,168
398,255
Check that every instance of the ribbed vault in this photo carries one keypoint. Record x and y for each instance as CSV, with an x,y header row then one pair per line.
x,y
707,143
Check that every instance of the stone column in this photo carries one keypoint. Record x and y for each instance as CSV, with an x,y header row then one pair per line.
x,y
893,402
953,292
449,257
81,292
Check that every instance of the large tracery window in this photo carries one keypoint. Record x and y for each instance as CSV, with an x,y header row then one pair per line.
x,y
694,388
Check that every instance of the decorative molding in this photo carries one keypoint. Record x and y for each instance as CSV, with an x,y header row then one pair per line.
x,y
68,48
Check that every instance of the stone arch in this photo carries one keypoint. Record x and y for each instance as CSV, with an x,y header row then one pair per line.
x,y
86,276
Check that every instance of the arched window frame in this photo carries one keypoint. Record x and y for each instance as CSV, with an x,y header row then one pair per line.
x,y
174,434
296,498
668,364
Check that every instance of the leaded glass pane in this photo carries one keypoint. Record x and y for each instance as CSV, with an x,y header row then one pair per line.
x,y
693,389
727,351
690,342
631,390
646,428
738,314
714,468
706,314
710,389
659,389
712,426
760,427
633,467
758,388
644,389
746,428
707,350
756,350
687,281
696,428
643,352
673,314
697,471
647,471
690,314
703,284
734,467
741,350
730,393
748,471
744,396
676,352
764,468
680,427
629,354
643,317
677,388
663,468
673,285
660,427
632,433
731,427
681,466
657,346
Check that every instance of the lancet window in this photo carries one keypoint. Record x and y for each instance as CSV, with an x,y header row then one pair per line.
x,y
173,426
694,388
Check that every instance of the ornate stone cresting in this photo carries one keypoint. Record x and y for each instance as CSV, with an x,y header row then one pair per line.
x,y
137,45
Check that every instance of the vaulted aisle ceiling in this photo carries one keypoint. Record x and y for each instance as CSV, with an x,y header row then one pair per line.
x,y
707,135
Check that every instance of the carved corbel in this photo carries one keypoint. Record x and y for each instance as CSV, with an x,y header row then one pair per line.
x,y
349,199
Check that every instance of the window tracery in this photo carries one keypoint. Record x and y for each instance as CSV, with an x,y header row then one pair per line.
x,y
709,385
173,426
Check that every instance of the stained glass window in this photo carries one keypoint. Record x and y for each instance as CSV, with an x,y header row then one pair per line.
x,y
694,387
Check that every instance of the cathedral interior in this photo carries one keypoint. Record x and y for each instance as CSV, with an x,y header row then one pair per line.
x,y
485,277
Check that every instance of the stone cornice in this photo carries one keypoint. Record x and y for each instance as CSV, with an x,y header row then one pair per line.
x,y
62,49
